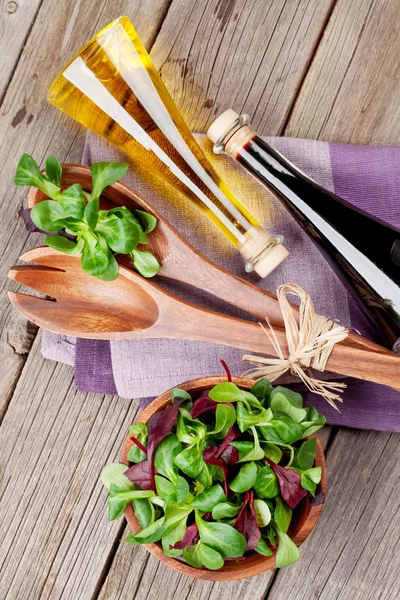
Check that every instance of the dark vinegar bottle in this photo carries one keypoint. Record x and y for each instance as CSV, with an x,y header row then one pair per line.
x,y
364,251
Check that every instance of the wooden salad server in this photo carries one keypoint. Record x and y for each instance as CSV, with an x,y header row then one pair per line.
x,y
181,262
132,307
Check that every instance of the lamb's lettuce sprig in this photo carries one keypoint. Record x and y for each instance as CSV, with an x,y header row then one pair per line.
x,y
81,226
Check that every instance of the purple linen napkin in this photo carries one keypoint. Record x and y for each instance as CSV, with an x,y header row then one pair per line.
x,y
368,177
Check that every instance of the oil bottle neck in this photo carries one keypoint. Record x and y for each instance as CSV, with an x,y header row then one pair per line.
x,y
238,140
230,132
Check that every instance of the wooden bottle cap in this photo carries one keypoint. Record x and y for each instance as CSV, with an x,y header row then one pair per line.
x,y
222,125
264,266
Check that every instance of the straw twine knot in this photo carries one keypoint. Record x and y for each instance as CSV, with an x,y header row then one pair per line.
x,y
310,343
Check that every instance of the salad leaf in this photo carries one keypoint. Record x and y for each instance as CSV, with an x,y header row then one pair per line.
x,y
53,170
173,537
227,392
209,557
119,498
138,432
202,405
273,452
144,512
225,417
149,221
115,473
262,513
48,215
191,554
201,555
177,393
306,454
262,390
221,537
105,174
225,510
164,457
93,260
246,418
190,461
289,430
256,452
245,479
73,201
246,522
208,499
263,548
289,483
159,426
165,489
140,474
153,533
182,489
190,537
285,401
310,478
28,173
287,552
266,484
145,263
282,514
91,212
62,244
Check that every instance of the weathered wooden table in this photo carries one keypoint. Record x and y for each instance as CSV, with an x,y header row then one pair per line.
x,y
325,69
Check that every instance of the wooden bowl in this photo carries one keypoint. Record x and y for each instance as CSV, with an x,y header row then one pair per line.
x,y
304,517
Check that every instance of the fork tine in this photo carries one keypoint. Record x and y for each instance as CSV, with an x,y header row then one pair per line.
x,y
43,279
69,317
30,306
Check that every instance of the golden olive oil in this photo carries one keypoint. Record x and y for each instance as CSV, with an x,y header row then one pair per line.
x,y
112,87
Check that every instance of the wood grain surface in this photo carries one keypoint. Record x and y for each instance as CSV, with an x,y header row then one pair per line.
x,y
310,68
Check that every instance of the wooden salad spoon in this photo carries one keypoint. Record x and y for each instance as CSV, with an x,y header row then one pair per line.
x,y
181,262
132,307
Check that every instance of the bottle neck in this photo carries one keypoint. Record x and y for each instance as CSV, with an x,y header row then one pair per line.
x,y
238,140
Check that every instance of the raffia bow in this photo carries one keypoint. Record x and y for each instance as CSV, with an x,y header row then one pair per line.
x,y
310,343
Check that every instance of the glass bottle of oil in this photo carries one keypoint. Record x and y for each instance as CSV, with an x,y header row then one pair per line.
x,y
364,251
112,87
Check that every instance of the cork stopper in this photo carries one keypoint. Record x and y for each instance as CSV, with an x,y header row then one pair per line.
x,y
265,265
222,125
262,251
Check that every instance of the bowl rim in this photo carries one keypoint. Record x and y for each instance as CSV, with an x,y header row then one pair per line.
x,y
253,564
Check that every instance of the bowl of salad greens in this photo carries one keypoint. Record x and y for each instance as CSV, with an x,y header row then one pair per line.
x,y
221,479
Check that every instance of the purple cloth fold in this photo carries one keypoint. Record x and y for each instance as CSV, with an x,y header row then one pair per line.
x,y
368,177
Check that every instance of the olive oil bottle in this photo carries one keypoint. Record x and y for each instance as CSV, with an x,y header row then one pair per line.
x,y
112,87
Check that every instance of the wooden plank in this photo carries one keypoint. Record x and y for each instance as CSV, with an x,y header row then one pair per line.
x,y
250,55
31,125
17,18
351,92
55,440
353,551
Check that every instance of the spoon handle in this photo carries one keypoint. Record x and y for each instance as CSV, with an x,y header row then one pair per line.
x,y
196,324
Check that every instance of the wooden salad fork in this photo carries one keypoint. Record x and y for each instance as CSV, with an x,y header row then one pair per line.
x,y
132,307
181,262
